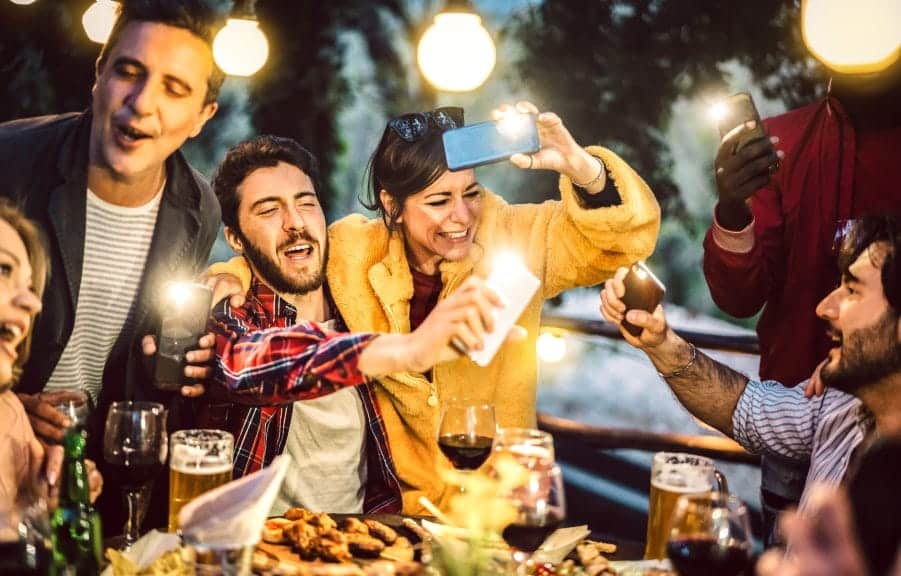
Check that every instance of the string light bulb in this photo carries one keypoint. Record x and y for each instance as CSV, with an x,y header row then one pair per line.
x,y
99,18
456,53
551,346
22,2
240,47
861,37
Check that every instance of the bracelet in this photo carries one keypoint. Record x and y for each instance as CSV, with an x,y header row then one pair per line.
x,y
682,370
596,178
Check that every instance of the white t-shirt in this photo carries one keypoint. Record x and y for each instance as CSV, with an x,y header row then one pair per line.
x,y
327,445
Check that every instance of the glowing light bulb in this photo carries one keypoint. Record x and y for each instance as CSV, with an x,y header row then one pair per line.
x,y
551,346
22,2
99,18
858,37
456,53
240,48
718,111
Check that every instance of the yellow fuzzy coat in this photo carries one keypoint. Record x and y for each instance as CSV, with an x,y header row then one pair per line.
x,y
563,244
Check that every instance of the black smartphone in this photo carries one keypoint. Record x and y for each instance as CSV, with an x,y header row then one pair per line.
x,y
738,109
489,142
184,315
644,291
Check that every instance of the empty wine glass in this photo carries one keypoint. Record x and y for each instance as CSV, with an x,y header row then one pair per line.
x,y
710,534
467,432
135,445
530,447
539,505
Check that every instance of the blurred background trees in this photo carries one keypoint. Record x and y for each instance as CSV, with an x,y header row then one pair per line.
x,y
633,75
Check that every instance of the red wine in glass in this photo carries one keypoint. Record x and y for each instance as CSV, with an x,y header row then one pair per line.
x,y
703,555
526,536
464,451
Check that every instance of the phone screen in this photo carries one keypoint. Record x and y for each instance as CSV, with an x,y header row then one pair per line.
x,y
489,142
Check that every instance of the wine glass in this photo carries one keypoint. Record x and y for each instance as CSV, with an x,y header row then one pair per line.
x,y
539,508
135,445
530,447
710,534
466,433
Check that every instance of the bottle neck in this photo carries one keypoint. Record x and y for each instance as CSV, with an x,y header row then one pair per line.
x,y
74,486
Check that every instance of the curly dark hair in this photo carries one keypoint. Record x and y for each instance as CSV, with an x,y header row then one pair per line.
x,y
259,152
869,230
195,16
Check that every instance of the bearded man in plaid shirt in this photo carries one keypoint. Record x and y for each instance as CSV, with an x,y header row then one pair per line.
x,y
287,376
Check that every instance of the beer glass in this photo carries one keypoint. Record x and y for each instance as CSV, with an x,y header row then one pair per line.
x,y
673,474
200,461
710,534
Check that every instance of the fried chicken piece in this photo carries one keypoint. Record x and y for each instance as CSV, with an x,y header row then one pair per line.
x,y
354,526
298,514
381,531
323,521
364,546
332,547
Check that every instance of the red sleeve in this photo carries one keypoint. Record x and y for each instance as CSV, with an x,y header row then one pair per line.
x,y
740,283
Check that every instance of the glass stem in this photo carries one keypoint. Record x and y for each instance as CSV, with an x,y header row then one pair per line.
x,y
133,501
522,562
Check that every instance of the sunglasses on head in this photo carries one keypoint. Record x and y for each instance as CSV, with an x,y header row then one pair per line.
x,y
415,126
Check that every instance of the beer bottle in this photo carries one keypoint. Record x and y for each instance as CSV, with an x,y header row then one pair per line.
x,y
75,525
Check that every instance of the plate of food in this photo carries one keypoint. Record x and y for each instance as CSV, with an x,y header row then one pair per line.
x,y
304,542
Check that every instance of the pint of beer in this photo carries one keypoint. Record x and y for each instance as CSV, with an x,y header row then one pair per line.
x,y
199,461
672,475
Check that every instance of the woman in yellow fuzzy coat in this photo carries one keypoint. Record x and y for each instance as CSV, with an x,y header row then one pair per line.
x,y
436,227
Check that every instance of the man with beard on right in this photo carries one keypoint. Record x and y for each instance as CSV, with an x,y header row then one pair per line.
x,y
863,369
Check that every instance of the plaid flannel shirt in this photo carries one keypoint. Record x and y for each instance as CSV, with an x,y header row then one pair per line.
x,y
265,361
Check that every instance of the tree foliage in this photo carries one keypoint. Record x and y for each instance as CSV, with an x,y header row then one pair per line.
x,y
614,68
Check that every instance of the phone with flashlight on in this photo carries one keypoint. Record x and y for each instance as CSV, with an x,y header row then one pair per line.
x,y
644,291
735,111
184,313
487,142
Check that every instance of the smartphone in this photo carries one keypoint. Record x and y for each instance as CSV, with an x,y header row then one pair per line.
x,y
644,291
738,109
185,312
489,142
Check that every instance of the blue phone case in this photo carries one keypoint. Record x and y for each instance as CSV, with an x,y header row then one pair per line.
x,y
483,143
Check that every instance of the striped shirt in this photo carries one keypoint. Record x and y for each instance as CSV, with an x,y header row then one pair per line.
x,y
116,242
773,419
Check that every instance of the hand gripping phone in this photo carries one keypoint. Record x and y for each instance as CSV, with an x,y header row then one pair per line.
x,y
488,142
738,109
184,319
644,291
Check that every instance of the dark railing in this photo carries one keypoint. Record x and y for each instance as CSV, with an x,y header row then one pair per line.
x,y
611,490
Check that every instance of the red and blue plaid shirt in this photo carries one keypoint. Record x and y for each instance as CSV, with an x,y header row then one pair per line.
x,y
265,361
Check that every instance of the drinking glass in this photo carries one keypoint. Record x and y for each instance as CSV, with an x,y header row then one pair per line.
x,y
710,534
74,403
530,447
135,445
201,460
539,505
25,537
466,433
673,474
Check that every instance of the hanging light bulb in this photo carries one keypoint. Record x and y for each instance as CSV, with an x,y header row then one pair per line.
x,y
22,2
99,18
853,37
241,48
456,53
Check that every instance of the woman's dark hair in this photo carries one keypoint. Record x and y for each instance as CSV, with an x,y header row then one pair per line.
x,y
195,16
36,246
882,228
402,169
260,152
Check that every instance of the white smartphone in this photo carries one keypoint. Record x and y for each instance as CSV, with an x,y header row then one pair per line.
x,y
516,285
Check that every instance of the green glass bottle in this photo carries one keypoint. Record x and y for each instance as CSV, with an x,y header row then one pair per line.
x,y
75,525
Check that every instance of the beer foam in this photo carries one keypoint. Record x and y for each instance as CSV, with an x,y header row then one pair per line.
x,y
194,460
682,484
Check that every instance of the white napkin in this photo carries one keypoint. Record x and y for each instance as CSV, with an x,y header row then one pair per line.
x,y
233,515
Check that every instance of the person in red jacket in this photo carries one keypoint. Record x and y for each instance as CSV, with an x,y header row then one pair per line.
x,y
779,215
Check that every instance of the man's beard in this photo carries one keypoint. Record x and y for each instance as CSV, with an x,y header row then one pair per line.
x,y
867,356
270,273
